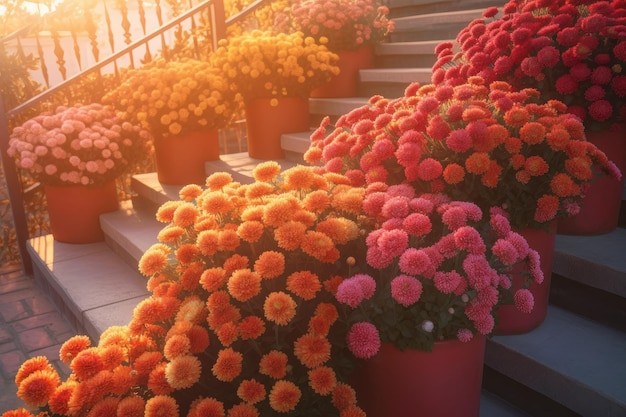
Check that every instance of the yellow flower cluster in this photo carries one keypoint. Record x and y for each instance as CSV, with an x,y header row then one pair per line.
x,y
176,96
260,64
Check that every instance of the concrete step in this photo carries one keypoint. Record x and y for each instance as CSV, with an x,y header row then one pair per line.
x,y
417,54
391,82
569,359
441,25
413,7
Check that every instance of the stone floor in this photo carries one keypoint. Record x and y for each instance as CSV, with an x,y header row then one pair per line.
x,y
30,325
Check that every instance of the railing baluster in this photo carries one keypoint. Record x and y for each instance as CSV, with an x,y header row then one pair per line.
x,y
142,15
76,46
42,59
159,13
125,22
91,27
59,53
107,19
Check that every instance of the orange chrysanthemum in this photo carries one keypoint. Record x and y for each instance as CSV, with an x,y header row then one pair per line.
x,y
105,408
563,185
259,190
218,180
235,262
123,378
513,145
157,381
170,234
517,116
332,284
228,333
176,345
322,380
298,177
87,363
558,138
216,203
274,364
348,199
206,407
146,362
266,171
250,231
580,168
312,350
453,173
183,371
207,242
60,398
284,396
251,391
477,163
344,396
316,244
532,133
278,211
254,213
317,201
165,213
290,235
251,327
491,178
185,215
191,311
35,390
20,412
161,406
218,300
319,325
304,284
132,406
228,240
279,308
328,311
198,339
189,192
112,356
536,166
228,365
153,261
352,411
339,229
270,264
243,410
244,284
40,363
213,279
547,207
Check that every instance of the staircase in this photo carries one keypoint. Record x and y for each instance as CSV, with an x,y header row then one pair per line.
x,y
573,365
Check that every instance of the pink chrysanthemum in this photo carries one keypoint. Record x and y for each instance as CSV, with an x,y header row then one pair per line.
x,y
505,251
367,284
468,238
447,282
349,292
416,262
524,300
363,340
464,335
406,290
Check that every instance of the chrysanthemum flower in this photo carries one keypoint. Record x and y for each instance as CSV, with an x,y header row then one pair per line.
x,y
243,410
41,363
274,364
406,290
343,396
131,406
312,350
304,284
244,284
279,308
251,327
59,399
206,407
153,261
146,362
35,390
284,396
251,391
176,345
228,333
157,380
228,365
183,371
270,264
250,231
266,171
218,180
290,235
198,339
19,412
322,380
87,363
161,406
213,279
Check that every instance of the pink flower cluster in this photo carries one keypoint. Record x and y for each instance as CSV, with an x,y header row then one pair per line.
x,y
569,51
346,24
84,145
431,255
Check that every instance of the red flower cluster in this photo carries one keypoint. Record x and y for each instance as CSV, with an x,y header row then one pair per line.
x,y
569,50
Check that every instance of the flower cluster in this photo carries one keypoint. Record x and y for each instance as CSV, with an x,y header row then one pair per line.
x,y
436,270
569,50
260,64
80,145
345,24
241,320
174,97
487,144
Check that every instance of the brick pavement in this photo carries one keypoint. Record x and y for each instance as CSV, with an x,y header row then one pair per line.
x,y
30,325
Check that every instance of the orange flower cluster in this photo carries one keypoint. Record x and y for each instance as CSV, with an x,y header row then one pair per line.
x,y
242,318
489,144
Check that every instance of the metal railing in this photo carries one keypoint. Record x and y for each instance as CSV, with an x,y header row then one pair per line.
x,y
210,12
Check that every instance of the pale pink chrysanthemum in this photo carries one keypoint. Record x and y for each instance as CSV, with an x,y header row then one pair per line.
x,y
349,292
524,300
406,290
401,190
363,340
391,224
422,205
395,207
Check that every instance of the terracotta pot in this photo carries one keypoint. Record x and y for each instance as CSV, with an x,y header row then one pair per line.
x,y
266,124
345,84
443,383
75,211
180,159
600,207
513,321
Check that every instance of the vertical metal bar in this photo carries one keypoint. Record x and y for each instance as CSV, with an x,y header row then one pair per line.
x,y
125,22
218,23
91,32
42,59
76,46
59,53
15,192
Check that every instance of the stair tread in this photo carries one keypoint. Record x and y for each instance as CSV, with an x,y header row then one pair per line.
x,y
597,261
409,47
570,359
95,285
424,22
396,75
